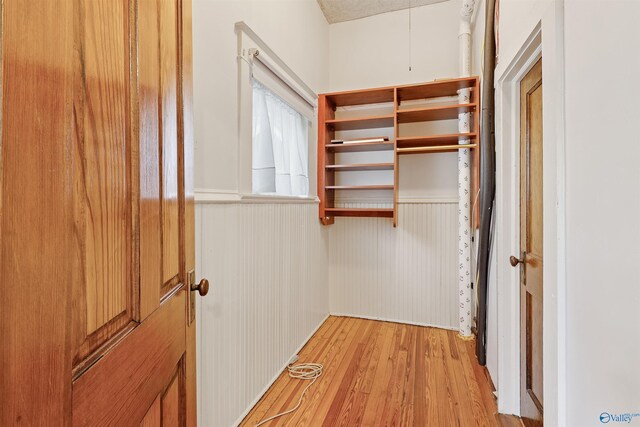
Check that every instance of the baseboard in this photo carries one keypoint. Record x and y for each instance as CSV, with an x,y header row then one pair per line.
x,y
405,322
277,375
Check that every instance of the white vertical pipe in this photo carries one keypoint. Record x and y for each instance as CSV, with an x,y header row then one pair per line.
x,y
464,176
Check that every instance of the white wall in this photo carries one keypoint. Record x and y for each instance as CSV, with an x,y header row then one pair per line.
x,y
266,261
374,51
602,188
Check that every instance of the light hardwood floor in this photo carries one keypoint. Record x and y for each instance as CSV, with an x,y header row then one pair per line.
x,y
384,374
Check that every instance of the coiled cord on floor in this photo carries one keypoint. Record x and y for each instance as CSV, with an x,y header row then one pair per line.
x,y
301,371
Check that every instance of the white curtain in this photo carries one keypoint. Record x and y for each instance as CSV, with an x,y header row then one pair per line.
x,y
280,146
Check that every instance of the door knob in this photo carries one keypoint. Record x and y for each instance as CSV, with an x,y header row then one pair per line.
x,y
515,261
202,287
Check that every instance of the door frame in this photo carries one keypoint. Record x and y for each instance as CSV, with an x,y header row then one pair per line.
x,y
507,233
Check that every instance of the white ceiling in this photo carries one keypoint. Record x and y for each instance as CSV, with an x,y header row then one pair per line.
x,y
346,10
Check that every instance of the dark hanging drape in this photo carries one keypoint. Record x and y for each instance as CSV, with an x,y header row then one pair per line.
x,y
487,176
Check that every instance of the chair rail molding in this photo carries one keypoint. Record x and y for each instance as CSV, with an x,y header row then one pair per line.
x,y
233,196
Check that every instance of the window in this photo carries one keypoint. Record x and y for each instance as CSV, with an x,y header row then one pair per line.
x,y
280,148
276,126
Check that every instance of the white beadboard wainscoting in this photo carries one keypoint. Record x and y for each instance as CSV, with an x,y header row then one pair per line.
x,y
406,274
267,266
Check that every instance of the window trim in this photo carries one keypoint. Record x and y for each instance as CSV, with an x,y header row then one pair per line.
x,y
247,40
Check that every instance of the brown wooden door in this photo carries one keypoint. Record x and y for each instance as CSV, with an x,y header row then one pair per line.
x,y
531,389
96,214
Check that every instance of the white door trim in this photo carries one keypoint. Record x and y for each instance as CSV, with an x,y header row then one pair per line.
x,y
508,220
545,40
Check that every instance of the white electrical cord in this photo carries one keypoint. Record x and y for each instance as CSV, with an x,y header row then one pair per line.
x,y
302,371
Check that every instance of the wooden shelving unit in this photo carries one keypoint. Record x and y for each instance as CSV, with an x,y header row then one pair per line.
x,y
410,104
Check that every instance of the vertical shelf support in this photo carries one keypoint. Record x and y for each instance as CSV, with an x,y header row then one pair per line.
x,y
396,170
326,178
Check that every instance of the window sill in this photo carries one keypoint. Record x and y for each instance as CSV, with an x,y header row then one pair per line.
x,y
227,196
268,198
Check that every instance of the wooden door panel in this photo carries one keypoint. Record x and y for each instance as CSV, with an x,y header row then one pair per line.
x,y
169,122
153,417
160,214
531,246
534,266
168,409
104,295
150,150
534,356
124,383
534,179
534,258
172,402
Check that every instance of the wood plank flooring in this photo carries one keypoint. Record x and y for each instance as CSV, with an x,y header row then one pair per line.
x,y
384,374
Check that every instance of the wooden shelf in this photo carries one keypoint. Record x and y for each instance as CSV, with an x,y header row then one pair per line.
x,y
426,114
359,187
435,89
362,167
370,122
431,140
434,149
360,146
361,212
360,97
